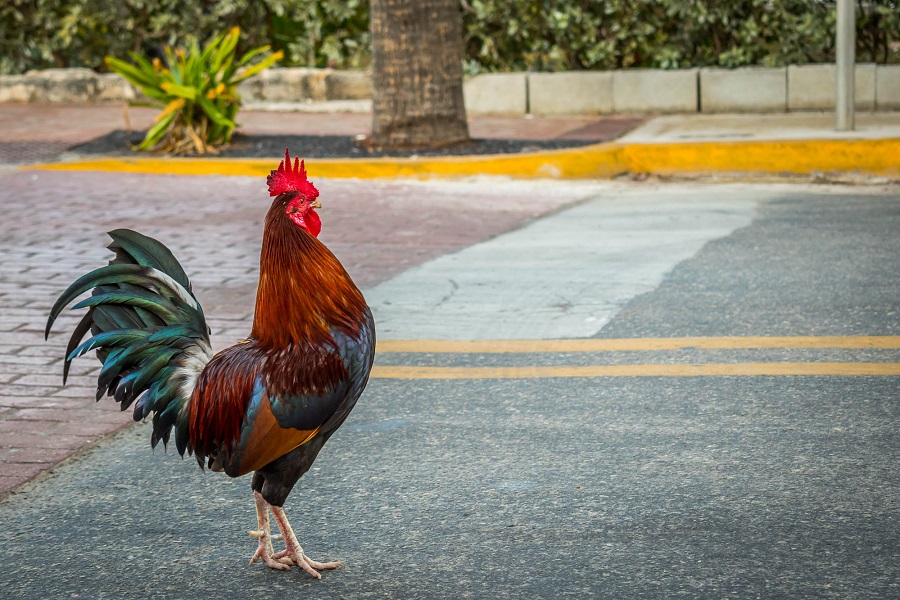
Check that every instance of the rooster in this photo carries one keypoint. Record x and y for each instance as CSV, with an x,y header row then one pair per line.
x,y
264,405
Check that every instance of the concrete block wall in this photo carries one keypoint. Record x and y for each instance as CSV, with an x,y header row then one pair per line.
x,y
497,93
65,86
655,91
584,92
306,85
812,87
750,89
887,87
272,85
707,90
758,90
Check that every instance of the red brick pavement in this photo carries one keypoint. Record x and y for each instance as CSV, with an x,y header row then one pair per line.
x,y
53,230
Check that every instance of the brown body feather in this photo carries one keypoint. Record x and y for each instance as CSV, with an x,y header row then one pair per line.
x,y
220,399
267,441
304,293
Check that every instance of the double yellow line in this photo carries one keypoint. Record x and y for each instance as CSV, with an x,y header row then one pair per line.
x,y
676,369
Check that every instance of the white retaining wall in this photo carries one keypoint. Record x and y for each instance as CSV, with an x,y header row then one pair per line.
x,y
707,90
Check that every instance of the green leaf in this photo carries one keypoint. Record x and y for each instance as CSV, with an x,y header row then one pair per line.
x,y
144,63
133,74
211,47
213,113
225,52
175,60
260,66
156,133
173,106
193,67
182,91
249,54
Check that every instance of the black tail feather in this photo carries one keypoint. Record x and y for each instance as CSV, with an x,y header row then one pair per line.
x,y
148,331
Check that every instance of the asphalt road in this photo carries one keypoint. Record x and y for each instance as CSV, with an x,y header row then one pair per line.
x,y
622,486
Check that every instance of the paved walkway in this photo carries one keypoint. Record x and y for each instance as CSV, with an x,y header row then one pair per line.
x,y
748,127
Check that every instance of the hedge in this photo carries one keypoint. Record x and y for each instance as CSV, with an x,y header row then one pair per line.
x,y
500,35
613,34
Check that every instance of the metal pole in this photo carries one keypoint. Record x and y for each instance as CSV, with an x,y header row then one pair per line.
x,y
845,58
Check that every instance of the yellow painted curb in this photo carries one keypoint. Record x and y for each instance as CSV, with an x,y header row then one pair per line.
x,y
601,160
877,157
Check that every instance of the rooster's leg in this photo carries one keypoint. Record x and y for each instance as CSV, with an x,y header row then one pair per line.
x,y
265,550
293,551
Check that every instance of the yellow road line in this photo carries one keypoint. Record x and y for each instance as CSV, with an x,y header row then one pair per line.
x,y
880,157
650,370
634,344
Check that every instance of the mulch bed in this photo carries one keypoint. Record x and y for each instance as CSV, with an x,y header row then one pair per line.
x,y
116,142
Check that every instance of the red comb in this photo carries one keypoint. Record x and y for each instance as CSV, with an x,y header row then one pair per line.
x,y
291,179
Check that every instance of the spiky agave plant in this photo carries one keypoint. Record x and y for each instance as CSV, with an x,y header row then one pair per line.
x,y
197,90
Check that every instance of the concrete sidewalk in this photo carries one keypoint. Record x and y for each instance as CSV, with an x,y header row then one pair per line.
x,y
768,127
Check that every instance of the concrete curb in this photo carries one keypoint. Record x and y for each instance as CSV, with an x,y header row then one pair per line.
x,y
792,157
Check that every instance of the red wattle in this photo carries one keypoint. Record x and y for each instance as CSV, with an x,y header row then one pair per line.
x,y
313,223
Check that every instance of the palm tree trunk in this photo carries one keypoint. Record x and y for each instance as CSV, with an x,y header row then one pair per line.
x,y
417,53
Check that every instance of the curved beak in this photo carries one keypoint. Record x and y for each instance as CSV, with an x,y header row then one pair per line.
x,y
316,204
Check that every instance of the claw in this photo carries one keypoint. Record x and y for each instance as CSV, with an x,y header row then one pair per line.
x,y
323,566
275,537
264,553
299,559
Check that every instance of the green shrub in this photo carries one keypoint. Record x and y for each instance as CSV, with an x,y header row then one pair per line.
x,y
317,33
614,34
197,90
500,35
39,34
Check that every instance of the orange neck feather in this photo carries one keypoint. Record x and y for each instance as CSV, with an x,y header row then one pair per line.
x,y
304,291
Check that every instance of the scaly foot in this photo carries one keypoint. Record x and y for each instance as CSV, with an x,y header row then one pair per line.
x,y
265,550
293,552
